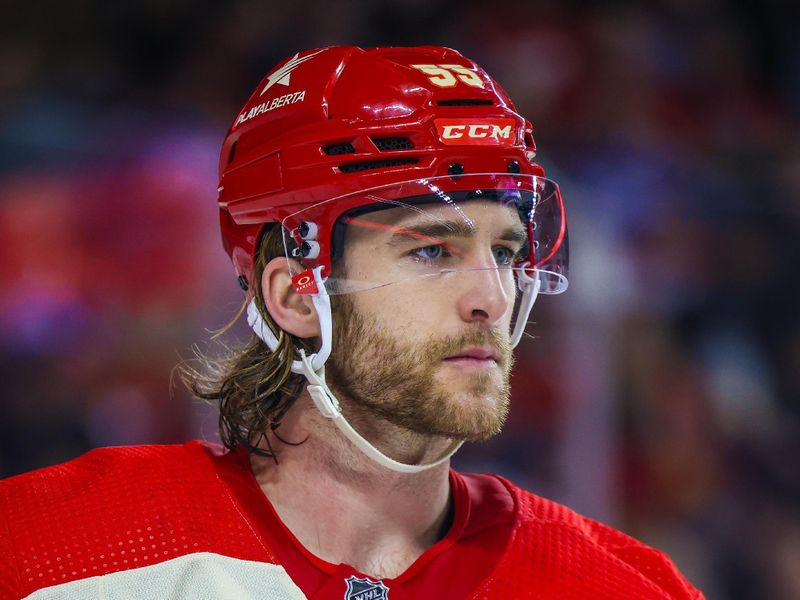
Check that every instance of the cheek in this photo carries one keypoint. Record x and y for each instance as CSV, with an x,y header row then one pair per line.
x,y
404,311
415,311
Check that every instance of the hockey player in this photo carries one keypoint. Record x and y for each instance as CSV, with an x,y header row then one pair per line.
x,y
391,231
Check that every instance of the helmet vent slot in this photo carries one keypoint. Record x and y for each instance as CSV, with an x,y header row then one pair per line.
x,y
340,148
466,102
388,144
377,164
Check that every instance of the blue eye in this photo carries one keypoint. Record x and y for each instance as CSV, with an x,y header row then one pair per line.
x,y
429,252
503,256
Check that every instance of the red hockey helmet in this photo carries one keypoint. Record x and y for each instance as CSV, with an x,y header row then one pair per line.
x,y
331,123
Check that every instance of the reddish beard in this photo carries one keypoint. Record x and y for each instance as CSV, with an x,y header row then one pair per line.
x,y
401,382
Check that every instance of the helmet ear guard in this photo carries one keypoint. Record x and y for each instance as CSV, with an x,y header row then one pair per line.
x,y
322,304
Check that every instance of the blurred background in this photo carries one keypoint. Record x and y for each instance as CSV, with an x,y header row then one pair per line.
x,y
661,394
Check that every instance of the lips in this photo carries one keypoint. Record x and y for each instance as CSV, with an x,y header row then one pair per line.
x,y
475,353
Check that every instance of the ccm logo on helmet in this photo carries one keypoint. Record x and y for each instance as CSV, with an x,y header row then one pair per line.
x,y
476,132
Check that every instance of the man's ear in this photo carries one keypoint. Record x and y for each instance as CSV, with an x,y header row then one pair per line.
x,y
292,312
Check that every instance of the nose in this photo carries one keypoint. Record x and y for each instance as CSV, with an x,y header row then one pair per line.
x,y
483,295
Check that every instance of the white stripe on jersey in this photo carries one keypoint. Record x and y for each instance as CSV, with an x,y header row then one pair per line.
x,y
200,576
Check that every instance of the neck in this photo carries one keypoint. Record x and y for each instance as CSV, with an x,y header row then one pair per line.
x,y
343,507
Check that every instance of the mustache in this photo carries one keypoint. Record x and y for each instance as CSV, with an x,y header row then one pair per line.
x,y
441,348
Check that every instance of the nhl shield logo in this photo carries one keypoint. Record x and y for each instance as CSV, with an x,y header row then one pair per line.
x,y
365,589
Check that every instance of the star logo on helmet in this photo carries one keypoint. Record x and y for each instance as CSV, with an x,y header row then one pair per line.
x,y
282,74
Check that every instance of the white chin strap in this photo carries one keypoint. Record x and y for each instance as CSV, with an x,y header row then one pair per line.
x,y
313,368
328,406
529,286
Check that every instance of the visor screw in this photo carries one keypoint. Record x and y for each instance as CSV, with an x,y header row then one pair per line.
x,y
455,169
308,230
309,249
242,282
513,166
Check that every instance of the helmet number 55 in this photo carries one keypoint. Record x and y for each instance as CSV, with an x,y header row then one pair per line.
x,y
450,75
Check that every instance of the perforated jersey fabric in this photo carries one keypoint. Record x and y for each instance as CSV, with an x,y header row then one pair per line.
x,y
190,522
557,553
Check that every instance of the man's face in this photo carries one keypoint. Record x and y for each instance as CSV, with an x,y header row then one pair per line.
x,y
431,351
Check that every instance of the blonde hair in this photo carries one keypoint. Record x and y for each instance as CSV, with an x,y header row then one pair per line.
x,y
252,386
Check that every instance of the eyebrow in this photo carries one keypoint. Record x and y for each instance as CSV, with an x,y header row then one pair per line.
x,y
433,233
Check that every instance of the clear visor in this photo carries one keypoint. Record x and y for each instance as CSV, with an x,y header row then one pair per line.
x,y
427,232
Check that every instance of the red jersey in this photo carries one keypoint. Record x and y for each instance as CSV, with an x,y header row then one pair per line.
x,y
191,522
